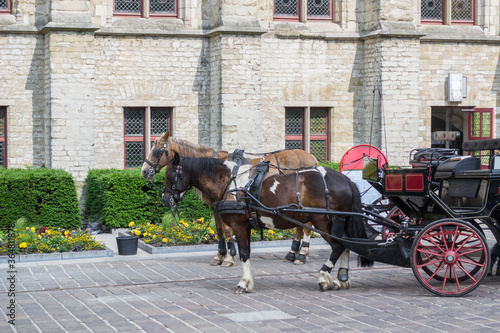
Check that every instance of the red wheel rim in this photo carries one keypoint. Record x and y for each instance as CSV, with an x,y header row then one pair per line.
x,y
450,258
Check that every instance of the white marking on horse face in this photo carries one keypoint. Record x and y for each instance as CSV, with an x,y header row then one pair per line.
x,y
275,186
268,222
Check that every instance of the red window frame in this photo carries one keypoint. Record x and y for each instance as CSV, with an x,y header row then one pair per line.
x,y
3,138
297,18
312,137
453,22
142,11
145,137
8,9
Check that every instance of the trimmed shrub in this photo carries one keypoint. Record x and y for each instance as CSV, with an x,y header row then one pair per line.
x,y
116,197
45,197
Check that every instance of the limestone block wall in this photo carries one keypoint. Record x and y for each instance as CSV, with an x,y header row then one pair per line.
x,y
20,64
310,73
132,71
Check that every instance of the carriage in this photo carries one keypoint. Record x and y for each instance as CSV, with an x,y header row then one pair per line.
x,y
434,223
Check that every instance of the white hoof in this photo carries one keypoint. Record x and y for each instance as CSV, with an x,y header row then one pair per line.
x,y
228,261
325,281
217,260
337,285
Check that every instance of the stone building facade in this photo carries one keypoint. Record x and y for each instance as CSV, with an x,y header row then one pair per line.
x,y
229,73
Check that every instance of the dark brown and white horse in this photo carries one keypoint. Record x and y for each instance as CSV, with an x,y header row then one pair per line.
x,y
320,188
284,161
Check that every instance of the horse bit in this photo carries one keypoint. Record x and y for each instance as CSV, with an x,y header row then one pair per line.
x,y
157,152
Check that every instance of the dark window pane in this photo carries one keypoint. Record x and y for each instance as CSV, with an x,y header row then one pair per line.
x,y
431,10
162,6
127,6
159,121
293,144
2,122
4,4
134,122
318,122
286,8
461,10
318,8
134,154
318,149
293,122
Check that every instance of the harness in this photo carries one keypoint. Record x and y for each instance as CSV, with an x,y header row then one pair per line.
x,y
157,152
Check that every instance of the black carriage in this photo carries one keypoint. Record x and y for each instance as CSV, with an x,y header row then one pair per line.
x,y
442,202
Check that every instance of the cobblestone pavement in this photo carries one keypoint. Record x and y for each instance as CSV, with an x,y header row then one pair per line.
x,y
183,293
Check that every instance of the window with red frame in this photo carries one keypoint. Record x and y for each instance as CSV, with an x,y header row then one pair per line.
x,y
4,6
142,127
3,136
137,8
317,125
290,9
447,11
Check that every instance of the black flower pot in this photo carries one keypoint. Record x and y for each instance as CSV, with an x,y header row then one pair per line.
x,y
127,245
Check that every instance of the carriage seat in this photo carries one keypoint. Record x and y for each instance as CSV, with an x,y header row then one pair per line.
x,y
455,165
431,156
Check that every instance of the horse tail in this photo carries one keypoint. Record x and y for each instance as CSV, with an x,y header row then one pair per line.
x,y
355,224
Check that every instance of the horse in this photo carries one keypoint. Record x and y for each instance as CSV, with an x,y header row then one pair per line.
x,y
283,161
319,187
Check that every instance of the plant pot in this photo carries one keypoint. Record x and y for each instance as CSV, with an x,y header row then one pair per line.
x,y
127,245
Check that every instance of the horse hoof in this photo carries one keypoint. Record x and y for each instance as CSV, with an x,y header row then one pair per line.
x,y
240,290
226,264
216,262
301,259
323,286
290,256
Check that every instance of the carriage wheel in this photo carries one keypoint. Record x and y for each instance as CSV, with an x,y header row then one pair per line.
x,y
450,257
396,215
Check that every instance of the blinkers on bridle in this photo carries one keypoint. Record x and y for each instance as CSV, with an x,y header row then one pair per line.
x,y
157,152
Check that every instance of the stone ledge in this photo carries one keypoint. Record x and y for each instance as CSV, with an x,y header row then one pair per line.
x,y
214,247
21,258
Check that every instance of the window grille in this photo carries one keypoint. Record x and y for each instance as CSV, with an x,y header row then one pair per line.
x,y
461,10
159,121
318,149
134,122
431,10
134,154
127,6
318,8
293,144
162,6
318,122
4,5
294,122
286,8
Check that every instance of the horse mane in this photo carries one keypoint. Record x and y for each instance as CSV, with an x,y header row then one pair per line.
x,y
202,165
187,148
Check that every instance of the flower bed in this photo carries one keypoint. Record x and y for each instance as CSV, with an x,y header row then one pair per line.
x,y
197,235
44,243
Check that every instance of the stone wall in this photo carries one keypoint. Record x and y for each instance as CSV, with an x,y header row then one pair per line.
x,y
229,70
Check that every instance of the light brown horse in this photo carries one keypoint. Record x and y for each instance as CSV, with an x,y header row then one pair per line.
x,y
283,161
319,187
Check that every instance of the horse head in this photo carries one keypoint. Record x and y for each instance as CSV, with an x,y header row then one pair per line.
x,y
176,183
157,157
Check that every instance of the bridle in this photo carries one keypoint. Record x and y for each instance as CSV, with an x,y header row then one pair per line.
x,y
171,201
158,153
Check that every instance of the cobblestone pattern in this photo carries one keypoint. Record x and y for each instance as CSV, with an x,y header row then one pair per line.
x,y
186,294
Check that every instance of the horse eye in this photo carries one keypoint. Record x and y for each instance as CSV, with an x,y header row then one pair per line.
x,y
157,152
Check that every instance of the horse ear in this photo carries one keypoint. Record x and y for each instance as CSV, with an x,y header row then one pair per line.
x,y
166,135
177,158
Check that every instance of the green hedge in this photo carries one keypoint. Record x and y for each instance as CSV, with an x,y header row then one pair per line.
x,y
45,197
116,197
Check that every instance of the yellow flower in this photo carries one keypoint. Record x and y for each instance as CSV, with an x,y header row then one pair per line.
x,y
32,229
270,232
23,245
138,232
211,232
131,224
164,240
66,233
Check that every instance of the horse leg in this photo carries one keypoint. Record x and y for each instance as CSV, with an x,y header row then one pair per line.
x,y
247,282
229,258
325,280
222,251
304,249
342,279
291,256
